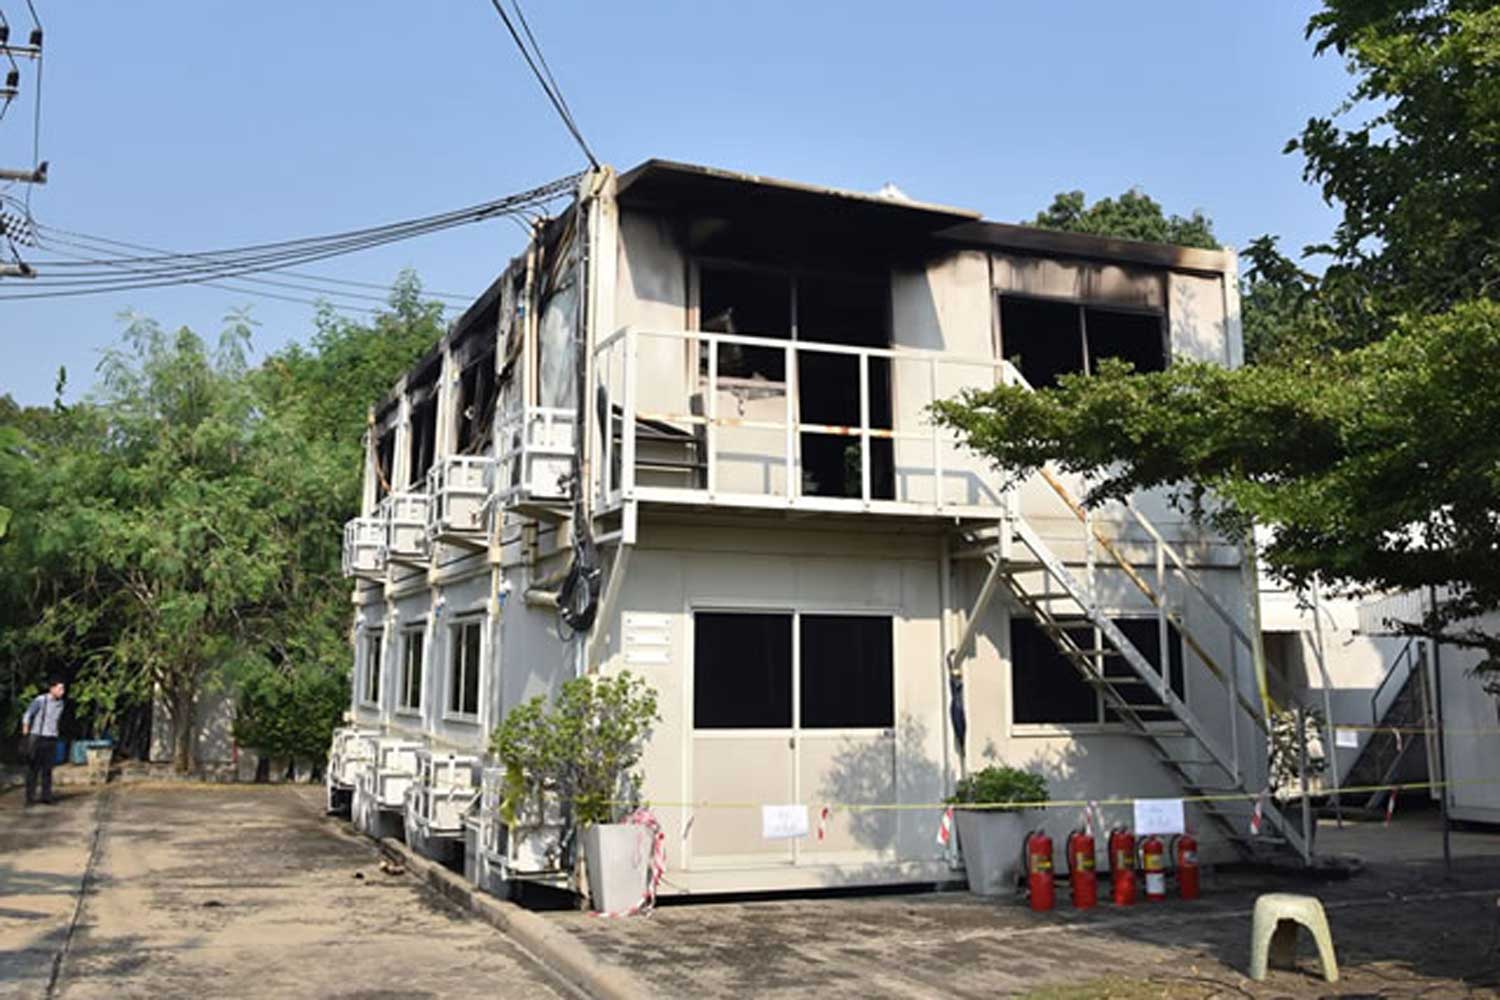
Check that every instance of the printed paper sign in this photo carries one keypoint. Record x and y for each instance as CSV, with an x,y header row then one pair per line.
x,y
783,822
1158,816
1346,738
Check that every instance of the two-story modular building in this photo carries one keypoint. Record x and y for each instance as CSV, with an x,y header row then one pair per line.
x,y
686,434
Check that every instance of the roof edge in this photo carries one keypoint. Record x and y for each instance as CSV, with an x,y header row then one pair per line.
x,y
1034,240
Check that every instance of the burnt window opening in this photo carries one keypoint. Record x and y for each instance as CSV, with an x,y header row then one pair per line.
x,y
385,463
852,311
742,670
847,676
1046,688
423,439
479,390
463,668
1047,339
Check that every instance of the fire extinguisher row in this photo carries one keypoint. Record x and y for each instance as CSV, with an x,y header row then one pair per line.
x,y
1125,858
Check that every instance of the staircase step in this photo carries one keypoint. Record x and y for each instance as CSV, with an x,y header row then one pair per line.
x,y
1103,651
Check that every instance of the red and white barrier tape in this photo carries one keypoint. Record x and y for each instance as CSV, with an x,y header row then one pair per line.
x,y
823,815
652,829
1258,813
1390,806
945,827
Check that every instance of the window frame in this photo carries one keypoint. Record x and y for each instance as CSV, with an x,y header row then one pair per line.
x,y
1081,306
457,672
1101,723
404,675
739,606
372,646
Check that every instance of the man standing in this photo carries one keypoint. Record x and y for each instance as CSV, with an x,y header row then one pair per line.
x,y
39,726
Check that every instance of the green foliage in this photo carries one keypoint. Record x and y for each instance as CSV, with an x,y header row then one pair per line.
x,y
997,783
178,532
1132,216
289,713
583,749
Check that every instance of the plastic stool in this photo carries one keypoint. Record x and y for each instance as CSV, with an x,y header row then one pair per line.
x,y
1273,933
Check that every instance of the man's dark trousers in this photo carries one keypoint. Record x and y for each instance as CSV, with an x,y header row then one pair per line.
x,y
39,765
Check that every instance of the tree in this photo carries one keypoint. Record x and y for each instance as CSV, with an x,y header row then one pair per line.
x,y
1364,435
1132,216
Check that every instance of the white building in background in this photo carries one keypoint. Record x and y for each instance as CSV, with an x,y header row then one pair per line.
x,y
708,393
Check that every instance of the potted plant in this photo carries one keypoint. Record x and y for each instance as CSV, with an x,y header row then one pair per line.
x,y
581,753
990,812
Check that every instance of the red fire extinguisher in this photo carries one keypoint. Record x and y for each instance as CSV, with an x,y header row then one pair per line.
x,y
1154,865
1186,849
1081,877
1122,865
1039,870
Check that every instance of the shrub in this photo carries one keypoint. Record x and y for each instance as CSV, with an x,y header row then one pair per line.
x,y
1000,784
583,749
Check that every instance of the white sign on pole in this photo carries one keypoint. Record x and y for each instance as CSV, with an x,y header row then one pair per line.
x,y
783,822
1158,816
1346,737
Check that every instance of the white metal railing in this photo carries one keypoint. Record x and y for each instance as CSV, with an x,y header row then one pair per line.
x,y
459,488
364,546
692,420
404,516
535,454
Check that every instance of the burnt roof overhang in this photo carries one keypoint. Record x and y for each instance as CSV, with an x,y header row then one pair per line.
x,y
761,203
1034,241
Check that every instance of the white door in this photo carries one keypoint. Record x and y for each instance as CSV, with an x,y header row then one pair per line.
x,y
791,708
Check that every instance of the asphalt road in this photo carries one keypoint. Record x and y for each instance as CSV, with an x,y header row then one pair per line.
x,y
227,891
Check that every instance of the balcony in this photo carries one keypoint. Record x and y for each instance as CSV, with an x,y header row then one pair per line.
x,y
724,420
459,487
364,547
404,518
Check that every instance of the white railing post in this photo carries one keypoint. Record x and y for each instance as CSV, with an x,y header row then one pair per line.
x,y
864,428
711,410
793,487
1163,633
627,461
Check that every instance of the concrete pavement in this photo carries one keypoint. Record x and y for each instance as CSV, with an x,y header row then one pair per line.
x,y
228,891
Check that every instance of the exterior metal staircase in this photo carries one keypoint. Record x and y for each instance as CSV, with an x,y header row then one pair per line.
x,y
1401,722
1065,604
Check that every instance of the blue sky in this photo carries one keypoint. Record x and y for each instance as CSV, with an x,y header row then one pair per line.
x,y
211,124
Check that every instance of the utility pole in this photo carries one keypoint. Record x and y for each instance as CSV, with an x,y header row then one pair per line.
x,y
1442,751
38,173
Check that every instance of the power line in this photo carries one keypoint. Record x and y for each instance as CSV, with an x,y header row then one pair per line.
x,y
100,244
555,96
91,277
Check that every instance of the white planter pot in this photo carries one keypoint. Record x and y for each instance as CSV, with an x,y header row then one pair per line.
x,y
618,859
991,841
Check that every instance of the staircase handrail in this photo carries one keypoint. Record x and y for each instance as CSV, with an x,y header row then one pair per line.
x,y
1407,656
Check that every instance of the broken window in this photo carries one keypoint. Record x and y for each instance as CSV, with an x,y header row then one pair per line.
x,y
478,391
1046,688
845,310
742,670
423,439
385,463
463,673
409,690
1049,338
372,667
847,681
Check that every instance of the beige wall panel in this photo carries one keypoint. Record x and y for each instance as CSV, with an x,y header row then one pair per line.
x,y
1195,314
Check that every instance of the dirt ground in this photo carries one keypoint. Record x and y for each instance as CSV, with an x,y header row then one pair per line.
x,y
226,891
1402,928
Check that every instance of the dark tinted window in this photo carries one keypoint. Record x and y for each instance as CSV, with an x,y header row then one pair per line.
x,y
742,671
1041,338
1044,686
1134,337
846,672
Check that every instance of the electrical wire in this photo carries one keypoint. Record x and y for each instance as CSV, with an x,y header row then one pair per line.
x,y
100,244
96,276
555,96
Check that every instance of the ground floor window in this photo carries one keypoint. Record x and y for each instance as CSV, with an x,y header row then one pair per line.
x,y
409,690
748,673
373,663
463,673
1047,689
